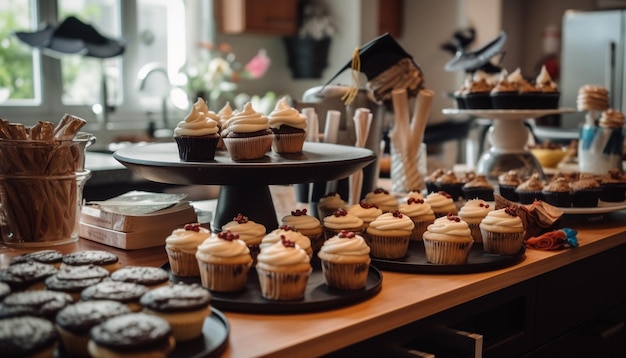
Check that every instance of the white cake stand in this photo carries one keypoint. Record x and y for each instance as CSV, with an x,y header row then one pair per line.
x,y
508,137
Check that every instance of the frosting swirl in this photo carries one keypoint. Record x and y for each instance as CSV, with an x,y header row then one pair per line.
x,y
611,118
544,81
331,201
284,114
219,250
302,221
345,248
249,231
475,209
502,221
187,240
196,123
277,235
392,221
382,199
449,228
415,208
343,221
367,212
441,203
278,257
246,121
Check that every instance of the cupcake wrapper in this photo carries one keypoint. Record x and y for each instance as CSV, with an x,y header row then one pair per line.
x,y
502,243
196,149
613,193
587,198
283,286
345,276
182,264
560,199
419,229
248,148
386,247
508,192
477,235
224,278
447,253
182,330
288,143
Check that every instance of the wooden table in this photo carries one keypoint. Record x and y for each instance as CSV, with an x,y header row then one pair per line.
x,y
404,298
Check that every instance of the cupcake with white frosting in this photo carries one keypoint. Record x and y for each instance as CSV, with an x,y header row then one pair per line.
x,y
448,241
224,261
247,134
473,212
420,212
197,135
388,236
345,261
307,225
288,233
503,232
181,246
383,199
249,231
288,126
283,270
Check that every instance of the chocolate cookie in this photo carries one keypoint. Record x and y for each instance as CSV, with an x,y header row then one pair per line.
x,y
145,275
51,257
80,317
74,279
41,303
24,275
128,293
176,298
106,259
27,337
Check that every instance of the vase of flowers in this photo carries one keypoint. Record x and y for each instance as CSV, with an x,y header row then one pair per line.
x,y
307,51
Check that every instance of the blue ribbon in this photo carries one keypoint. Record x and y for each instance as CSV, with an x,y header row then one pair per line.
x,y
570,238
586,135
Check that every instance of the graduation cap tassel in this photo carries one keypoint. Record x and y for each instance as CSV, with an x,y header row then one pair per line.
x,y
350,95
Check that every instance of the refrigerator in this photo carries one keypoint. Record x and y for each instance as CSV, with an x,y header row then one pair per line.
x,y
592,52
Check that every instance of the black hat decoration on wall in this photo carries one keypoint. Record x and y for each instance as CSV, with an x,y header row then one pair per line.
x,y
72,36
387,67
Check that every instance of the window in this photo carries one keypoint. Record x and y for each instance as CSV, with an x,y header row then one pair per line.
x,y
34,86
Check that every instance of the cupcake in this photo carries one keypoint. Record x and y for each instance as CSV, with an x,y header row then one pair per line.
x,y
74,322
29,275
503,232
504,95
420,212
40,303
285,232
184,306
307,225
526,91
530,190
224,261
478,188
613,186
558,193
51,257
249,231
431,180
341,220
247,134
197,135
388,236
592,98
74,279
127,293
181,246
288,126
473,212
507,183
459,94
102,258
585,192
132,334
366,212
451,184
441,203
28,336
151,277
478,94
345,261
329,203
448,241
549,97
381,198
283,270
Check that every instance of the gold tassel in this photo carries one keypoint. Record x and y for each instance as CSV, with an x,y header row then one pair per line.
x,y
355,68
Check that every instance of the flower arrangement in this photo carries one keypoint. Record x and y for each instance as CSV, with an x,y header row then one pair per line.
x,y
218,71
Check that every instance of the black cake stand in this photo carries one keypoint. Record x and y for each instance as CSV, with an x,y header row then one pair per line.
x,y
244,185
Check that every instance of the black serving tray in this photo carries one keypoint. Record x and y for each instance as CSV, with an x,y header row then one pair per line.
x,y
317,297
477,261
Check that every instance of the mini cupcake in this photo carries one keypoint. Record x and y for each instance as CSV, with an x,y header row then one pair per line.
x,y
307,225
478,94
249,231
530,190
420,212
247,135
288,126
473,212
224,261
441,203
504,95
478,188
388,236
181,246
366,212
503,232
527,92
549,97
448,241
102,258
183,306
558,193
283,270
381,198
585,193
341,220
431,180
451,184
345,261
613,186
507,183
330,203
197,135
127,293
285,232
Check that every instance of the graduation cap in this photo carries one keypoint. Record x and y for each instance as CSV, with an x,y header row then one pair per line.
x,y
387,66
479,59
72,36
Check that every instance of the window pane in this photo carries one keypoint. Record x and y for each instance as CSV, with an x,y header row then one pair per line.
x,y
17,80
82,76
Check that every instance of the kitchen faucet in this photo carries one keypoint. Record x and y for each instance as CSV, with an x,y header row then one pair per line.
x,y
142,76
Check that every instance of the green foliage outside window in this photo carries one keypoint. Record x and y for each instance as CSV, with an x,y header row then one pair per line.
x,y
16,61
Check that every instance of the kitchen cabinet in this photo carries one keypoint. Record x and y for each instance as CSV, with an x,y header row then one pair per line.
x,y
271,17
390,17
